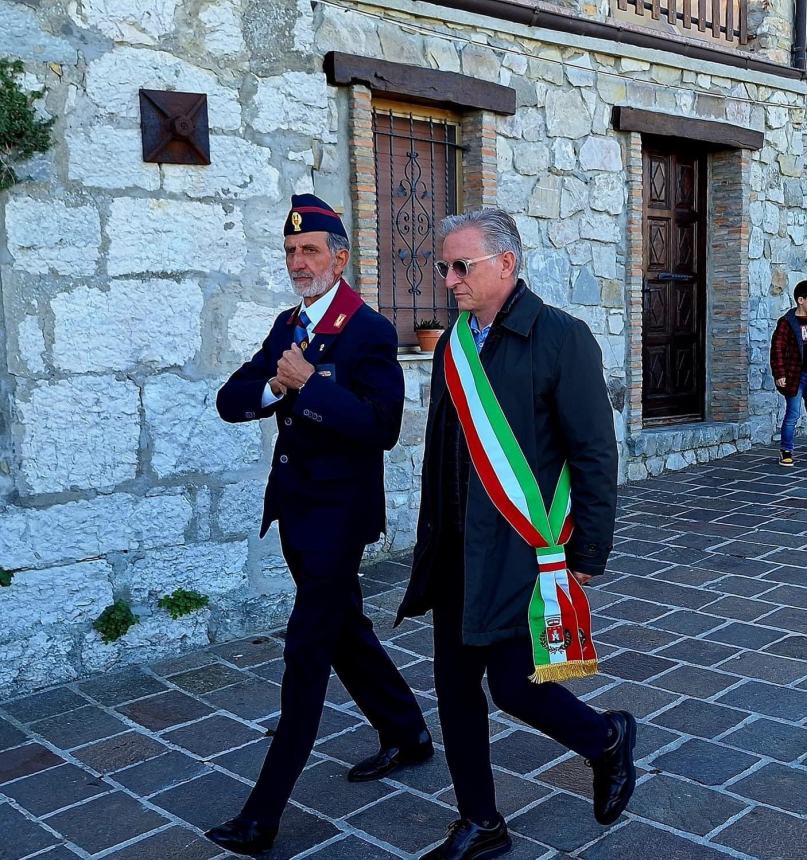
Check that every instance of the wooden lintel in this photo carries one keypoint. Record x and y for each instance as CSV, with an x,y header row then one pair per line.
x,y
721,134
413,83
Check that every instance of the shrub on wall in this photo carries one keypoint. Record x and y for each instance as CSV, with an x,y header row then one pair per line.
x,y
182,602
22,134
114,621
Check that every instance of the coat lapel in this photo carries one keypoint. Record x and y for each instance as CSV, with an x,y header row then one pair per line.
x,y
344,305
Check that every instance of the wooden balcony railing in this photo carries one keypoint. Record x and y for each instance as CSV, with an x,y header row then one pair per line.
x,y
726,20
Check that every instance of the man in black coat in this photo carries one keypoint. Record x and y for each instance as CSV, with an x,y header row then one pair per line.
x,y
329,372
473,569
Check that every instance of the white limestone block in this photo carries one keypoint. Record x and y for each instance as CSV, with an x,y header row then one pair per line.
x,y
152,322
297,101
107,157
173,236
601,153
209,568
222,25
31,344
186,432
240,508
69,595
118,522
566,114
237,169
115,77
79,433
249,326
36,661
47,236
134,21
608,193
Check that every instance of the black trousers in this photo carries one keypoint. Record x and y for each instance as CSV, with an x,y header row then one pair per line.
x,y
328,628
463,706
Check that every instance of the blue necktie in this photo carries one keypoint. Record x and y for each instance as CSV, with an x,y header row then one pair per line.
x,y
301,330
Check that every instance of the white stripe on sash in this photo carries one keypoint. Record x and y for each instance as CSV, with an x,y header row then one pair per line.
x,y
551,610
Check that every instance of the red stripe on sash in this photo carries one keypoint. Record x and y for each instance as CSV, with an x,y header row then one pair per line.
x,y
481,462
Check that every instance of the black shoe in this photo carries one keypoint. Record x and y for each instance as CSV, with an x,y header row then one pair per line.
x,y
243,836
388,759
785,458
469,841
614,771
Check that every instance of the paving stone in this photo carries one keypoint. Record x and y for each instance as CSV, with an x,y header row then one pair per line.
x,y
739,566
121,687
513,793
686,575
698,651
637,839
250,700
766,667
420,676
159,773
786,574
212,735
776,785
688,622
164,710
205,801
740,608
324,787
700,718
650,738
214,676
249,652
683,805
788,618
59,852
638,637
767,737
663,592
352,848
563,821
790,595
742,586
78,727
429,778
105,821
246,761
28,709
639,699
634,610
766,834
404,820
25,760
120,751
53,789
352,746
176,843
792,646
523,752
20,836
695,681
271,671
194,660
705,762
744,635
635,566
390,572
633,666
10,736
781,702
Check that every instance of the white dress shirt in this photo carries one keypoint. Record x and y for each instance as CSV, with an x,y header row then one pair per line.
x,y
315,312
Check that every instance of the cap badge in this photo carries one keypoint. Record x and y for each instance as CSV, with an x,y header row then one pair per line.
x,y
296,221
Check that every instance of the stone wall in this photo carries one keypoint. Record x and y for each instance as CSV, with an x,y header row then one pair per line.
x,y
130,290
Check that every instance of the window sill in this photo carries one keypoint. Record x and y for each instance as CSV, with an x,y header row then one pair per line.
x,y
406,355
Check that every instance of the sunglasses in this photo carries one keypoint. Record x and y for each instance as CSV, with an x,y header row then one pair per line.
x,y
459,267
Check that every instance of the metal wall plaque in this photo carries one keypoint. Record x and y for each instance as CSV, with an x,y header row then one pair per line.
x,y
174,127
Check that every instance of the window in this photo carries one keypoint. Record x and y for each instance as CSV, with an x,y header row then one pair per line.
x,y
418,161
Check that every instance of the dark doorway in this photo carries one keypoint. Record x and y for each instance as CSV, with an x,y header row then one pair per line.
x,y
674,291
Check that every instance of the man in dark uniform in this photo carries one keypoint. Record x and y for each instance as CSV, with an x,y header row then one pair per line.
x,y
472,567
328,370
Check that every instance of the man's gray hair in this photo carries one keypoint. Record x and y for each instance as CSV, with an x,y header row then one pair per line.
x,y
337,242
499,231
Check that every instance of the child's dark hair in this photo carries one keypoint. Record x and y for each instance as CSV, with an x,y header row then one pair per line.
x,y
800,291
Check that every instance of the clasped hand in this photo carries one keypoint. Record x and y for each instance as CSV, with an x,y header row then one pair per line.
x,y
293,371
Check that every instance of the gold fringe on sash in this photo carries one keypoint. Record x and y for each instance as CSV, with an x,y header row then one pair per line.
x,y
564,671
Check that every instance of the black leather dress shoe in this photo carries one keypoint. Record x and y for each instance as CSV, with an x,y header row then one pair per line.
x,y
243,836
388,759
468,841
614,771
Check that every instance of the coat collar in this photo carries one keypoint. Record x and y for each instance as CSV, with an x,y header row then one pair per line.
x,y
344,304
520,310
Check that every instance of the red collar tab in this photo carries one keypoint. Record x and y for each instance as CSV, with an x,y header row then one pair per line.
x,y
344,304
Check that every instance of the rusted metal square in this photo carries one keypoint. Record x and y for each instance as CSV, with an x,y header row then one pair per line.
x,y
174,127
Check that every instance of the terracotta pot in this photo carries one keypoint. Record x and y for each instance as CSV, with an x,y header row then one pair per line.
x,y
427,338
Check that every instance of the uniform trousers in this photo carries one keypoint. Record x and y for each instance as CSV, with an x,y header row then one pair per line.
x,y
463,706
328,628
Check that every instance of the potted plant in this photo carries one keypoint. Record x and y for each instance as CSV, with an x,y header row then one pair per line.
x,y
428,333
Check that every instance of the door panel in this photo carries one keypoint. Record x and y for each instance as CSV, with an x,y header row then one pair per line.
x,y
673,296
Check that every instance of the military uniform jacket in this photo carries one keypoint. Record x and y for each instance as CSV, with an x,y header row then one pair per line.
x,y
327,475
546,369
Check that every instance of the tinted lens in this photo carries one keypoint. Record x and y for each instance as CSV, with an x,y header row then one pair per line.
x,y
442,268
460,268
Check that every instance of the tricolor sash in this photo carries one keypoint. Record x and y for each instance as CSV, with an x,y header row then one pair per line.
x,y
558,613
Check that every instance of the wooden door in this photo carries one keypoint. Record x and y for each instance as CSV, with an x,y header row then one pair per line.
x,y
673,296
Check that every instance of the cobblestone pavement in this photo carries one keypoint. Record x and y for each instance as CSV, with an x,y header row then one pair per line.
x,y
700,620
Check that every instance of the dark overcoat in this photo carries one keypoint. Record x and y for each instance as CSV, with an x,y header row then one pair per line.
x,y
546,369
327,473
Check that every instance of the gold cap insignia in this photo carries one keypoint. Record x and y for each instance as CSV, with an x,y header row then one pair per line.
x,y
296,221
339,320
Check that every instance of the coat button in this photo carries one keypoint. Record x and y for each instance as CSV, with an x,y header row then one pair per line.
x,y
284,459
287,422
249,415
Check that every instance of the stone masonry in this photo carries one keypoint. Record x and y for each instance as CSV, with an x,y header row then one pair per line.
x,y
131,290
